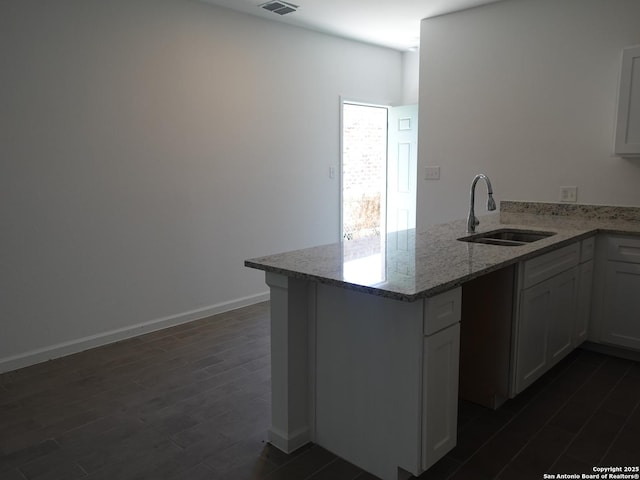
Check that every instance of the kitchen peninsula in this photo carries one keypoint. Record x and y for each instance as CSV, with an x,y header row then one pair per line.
x,y
365,335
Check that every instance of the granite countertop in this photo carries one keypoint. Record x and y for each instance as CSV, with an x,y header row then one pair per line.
x,y
407,265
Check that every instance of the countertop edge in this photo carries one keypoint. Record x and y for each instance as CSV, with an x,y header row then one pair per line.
x,y
444,286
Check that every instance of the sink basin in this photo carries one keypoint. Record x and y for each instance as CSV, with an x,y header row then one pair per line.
x,y
507,237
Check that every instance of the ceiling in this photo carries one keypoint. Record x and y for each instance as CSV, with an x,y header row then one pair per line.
x,y
390,23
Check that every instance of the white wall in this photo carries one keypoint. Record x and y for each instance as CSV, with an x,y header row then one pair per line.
x,y
410,77
148,148
524,91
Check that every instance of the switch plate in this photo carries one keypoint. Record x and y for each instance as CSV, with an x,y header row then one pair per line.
x,y
569,194
432,172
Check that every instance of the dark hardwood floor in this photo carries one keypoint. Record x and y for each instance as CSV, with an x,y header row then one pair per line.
x,y
192,402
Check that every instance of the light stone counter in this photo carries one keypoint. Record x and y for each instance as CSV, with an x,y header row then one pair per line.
x,y
407,265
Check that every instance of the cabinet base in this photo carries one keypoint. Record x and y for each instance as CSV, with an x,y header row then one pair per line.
x,y
614,351
288,443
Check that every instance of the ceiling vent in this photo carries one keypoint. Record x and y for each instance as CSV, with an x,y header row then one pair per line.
x,y
281,8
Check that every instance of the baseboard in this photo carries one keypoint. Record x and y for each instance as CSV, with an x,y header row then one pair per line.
x,y
288,442
78,345
614,351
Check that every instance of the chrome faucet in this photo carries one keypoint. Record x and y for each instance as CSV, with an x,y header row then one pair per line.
x,y
472,220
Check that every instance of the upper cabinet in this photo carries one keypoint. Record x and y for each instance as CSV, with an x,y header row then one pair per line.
x,y
627,140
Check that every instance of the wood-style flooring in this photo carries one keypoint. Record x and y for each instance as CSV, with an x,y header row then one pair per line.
x,y
192,402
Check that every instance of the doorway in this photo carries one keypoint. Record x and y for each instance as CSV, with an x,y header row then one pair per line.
x,y
379,169
364,159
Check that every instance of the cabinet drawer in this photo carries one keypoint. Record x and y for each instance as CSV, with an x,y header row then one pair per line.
x,y
549,264
587,249
623,249
442,310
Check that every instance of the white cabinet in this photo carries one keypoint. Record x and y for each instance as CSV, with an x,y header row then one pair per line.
x,y
553,310
627,137
385,382
623,248
545,320
545,326
585,286
620,322
583,303
622,305
441,357
562,318
440,394
532,334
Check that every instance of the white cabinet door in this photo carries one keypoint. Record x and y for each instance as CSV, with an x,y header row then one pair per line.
x,y
583,307
545,326
440,394
562,319
621,325
531,348
627,138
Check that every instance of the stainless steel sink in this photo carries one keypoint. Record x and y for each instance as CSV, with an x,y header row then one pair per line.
x,y
507,237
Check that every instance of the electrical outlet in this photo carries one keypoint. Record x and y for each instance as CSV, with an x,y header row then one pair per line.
x,y
569,194
432,173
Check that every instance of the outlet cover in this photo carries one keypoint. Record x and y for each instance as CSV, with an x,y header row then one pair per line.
x,y
432,173
569,194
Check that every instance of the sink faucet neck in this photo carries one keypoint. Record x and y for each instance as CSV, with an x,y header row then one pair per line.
x,y
472,220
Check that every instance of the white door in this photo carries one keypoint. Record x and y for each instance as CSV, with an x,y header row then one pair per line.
x,y
402,167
